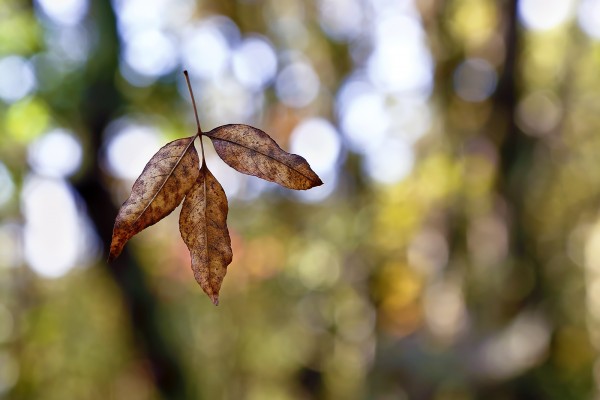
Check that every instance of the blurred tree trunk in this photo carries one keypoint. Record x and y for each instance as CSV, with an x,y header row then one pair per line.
x,y
102,103
516,153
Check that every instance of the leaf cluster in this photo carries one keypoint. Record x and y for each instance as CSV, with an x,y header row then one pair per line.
x,y
174,174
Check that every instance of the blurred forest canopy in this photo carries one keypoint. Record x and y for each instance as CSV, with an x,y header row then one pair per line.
x,y
452,253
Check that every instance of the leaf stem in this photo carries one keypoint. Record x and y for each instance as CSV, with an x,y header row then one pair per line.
x,y
199,132
201,147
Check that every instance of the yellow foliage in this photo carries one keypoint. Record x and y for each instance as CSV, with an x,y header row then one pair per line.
x,y
27,119
473,21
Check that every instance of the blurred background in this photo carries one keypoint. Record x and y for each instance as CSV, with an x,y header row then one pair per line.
x,y
453,252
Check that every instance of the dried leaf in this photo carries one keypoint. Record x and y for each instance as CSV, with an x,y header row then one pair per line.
x,y
203,227
173,174
251,151
163,184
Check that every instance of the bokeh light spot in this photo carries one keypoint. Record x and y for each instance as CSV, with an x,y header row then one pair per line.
x,y
539,113
64,12
318,142
445,309
151,53
589,17
17,79
401,60
389,163
205,52
318,266
517,348
475,80
428,252
365,120
72,44
255,63
541,15
297,84
139,15
56,154
130,148
27,119
226,100
341,19
53,235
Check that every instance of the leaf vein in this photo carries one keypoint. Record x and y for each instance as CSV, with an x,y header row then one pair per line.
x,y
183,153
266,155
159,160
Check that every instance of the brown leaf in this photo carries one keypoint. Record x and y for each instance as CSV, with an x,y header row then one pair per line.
x,y
251,151
203,227
167,177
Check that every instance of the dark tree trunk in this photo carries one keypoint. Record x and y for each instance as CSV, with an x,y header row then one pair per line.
x,y
102,102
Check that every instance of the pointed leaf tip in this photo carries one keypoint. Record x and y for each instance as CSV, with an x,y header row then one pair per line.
x,y
203,228
251,151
